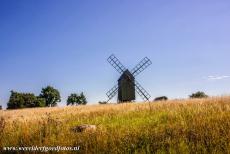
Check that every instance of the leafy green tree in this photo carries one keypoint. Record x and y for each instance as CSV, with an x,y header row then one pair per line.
x,y
24,100
41,102
83,99
51,96
29,99
75,99
14,101
198,94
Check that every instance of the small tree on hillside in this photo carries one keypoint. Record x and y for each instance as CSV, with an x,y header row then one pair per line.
x,y
51,96
198,94
83,99
75,99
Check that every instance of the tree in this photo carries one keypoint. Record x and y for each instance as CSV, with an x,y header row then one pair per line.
x,y
41,102
198,94
51,96
15,101
75,99
83,99
0,107
24,100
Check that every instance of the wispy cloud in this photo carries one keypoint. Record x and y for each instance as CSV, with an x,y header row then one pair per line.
x,y
220,77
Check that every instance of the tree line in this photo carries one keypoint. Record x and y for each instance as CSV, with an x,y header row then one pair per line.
x,y
49,97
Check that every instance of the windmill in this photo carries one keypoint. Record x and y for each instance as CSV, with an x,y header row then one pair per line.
x,y
127,85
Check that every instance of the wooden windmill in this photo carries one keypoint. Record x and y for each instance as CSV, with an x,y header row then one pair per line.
x,y
127,85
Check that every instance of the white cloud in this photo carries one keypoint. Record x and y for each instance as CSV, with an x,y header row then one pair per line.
x,y
212,77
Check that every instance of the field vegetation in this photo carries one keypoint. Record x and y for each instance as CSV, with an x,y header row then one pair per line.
x,y
176,126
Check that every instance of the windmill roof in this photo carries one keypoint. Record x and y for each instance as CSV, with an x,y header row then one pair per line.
x,y
126,73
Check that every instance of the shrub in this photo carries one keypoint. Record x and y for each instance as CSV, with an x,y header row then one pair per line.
x,y
198,94
162,98
102,102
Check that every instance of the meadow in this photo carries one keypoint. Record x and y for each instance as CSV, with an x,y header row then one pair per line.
x,y
175,126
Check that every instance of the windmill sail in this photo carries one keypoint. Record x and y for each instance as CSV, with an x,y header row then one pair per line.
x,y
142,92
141,66
112,92
116,64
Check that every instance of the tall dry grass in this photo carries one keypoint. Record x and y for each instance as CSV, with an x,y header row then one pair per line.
x,y
179,126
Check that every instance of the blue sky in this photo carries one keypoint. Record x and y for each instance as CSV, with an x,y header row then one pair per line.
x,y
65,44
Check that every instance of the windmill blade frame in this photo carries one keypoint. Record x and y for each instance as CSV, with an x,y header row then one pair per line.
x,y
141,66
116,64
112,92
142,92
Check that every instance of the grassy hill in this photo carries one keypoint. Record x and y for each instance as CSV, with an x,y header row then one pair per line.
x,y
179,126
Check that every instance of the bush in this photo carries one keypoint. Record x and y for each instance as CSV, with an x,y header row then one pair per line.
x,y
162,98
102,102
198,94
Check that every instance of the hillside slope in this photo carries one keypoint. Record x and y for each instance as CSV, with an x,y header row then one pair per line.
x,y
180,126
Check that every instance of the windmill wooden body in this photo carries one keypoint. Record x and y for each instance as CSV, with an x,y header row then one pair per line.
x,y
126,89
127,85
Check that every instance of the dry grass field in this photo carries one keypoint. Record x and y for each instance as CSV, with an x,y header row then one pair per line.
x,y
179,126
